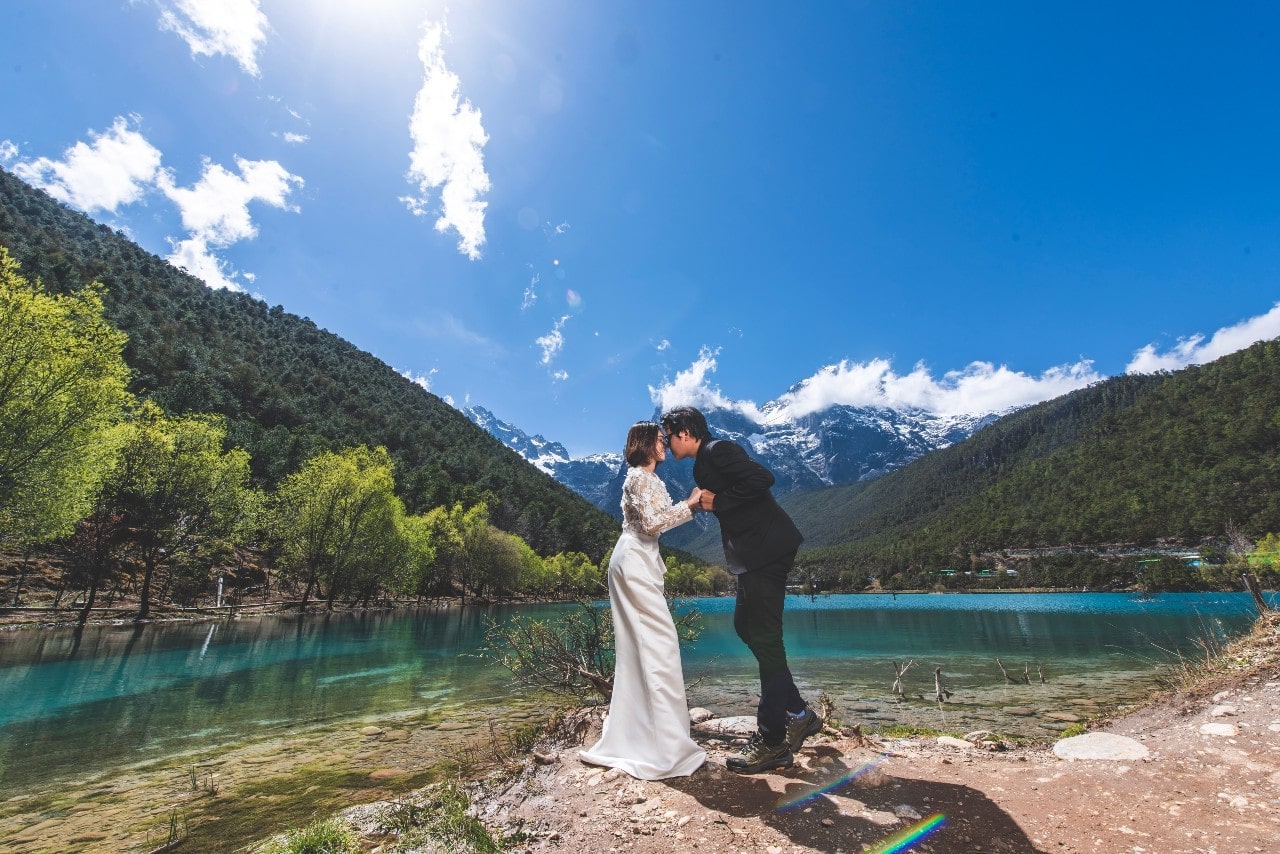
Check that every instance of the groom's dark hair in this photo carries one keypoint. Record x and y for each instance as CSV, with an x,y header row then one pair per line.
x,y
686,418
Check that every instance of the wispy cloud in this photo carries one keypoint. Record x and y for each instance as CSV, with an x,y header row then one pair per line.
x,y
1195,350
531,293
295,138
445,327
215,212
116,167
560,376
979,388
553,342
662,345
448,149
233,28
8,151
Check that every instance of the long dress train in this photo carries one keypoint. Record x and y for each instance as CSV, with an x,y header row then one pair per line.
x,y
646,732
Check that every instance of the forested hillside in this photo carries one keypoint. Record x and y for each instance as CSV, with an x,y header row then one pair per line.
x,y
1134,459
288,389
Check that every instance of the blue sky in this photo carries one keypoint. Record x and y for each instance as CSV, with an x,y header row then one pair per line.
x,y
571,212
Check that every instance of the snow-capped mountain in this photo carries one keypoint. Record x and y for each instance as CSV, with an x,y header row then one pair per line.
x,y
840,444
591,477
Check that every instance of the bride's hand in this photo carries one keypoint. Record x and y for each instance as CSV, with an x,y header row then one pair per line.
x,y
694,498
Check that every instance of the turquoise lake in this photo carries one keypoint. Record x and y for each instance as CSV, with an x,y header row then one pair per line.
x,y
119,695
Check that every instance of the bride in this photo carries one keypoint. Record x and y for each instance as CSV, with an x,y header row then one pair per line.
x,y
646,732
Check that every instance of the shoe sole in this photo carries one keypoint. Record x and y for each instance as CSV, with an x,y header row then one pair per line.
x,y
813,729
785,761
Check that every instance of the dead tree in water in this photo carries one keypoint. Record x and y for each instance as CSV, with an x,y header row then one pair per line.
x,y
1007,678
1251,584
899,670
942,693
1040,670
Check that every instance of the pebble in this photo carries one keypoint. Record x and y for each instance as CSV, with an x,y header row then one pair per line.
x,y
1222,711
1227,730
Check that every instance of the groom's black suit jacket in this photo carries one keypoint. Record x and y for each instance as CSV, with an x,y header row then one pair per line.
x,y
755,530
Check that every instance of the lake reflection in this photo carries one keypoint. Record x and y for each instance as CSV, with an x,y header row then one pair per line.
x,y
76,703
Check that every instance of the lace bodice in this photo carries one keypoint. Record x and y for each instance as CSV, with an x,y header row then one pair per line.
x,y
647,507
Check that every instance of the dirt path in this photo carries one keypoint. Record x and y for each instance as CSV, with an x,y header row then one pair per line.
x,y
1209,782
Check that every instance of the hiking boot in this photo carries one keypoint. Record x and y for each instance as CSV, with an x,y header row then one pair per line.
x,y
758,756
802,725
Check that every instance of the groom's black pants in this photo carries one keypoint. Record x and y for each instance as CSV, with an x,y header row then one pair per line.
x,y
757,618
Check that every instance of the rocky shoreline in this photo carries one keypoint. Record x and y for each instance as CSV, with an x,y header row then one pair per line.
x,y
1197,770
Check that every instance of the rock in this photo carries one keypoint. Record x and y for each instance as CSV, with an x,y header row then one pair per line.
x,y
979,735
950,741
1063,716
1019,711
1100,745
907,812
699,714
545,758
827,822
372,730
1223,711
1227,730
1220,696
740,725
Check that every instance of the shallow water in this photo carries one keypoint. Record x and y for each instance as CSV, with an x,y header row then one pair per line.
x,y
82,704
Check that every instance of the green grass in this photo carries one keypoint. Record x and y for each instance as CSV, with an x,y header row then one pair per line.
x,y
330,836
252,810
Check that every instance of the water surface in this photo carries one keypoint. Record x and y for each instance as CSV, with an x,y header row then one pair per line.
x,y
73,704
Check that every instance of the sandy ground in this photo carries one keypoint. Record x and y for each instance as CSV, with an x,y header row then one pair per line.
x,y
1210,782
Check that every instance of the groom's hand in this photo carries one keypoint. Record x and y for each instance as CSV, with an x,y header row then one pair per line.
x,y
707,500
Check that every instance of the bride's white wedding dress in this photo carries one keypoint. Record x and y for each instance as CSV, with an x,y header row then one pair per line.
x,y
646,732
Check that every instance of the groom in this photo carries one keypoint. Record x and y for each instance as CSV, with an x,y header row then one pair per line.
x,y
760,543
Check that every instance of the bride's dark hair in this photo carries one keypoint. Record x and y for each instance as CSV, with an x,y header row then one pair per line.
x,y
641,438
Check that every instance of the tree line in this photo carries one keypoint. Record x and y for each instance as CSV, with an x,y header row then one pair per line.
x,y
130,496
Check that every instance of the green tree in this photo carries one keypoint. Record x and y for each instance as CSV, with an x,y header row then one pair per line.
x,y
62,388
181,494
332,517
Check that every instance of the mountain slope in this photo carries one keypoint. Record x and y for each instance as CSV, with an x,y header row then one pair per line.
x,y
1131,459
288,388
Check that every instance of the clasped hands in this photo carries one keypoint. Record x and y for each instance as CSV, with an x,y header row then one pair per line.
x,y
701,499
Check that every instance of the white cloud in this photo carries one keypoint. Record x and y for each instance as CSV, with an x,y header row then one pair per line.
x,y
560,376
690,388
662,345
8,151
295,138
979,388
215,210
423,380
553,342
1195,350
234,28
114,168
195,256
448,143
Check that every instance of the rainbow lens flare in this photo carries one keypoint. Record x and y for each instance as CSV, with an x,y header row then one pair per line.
x,y
917,832
793,801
